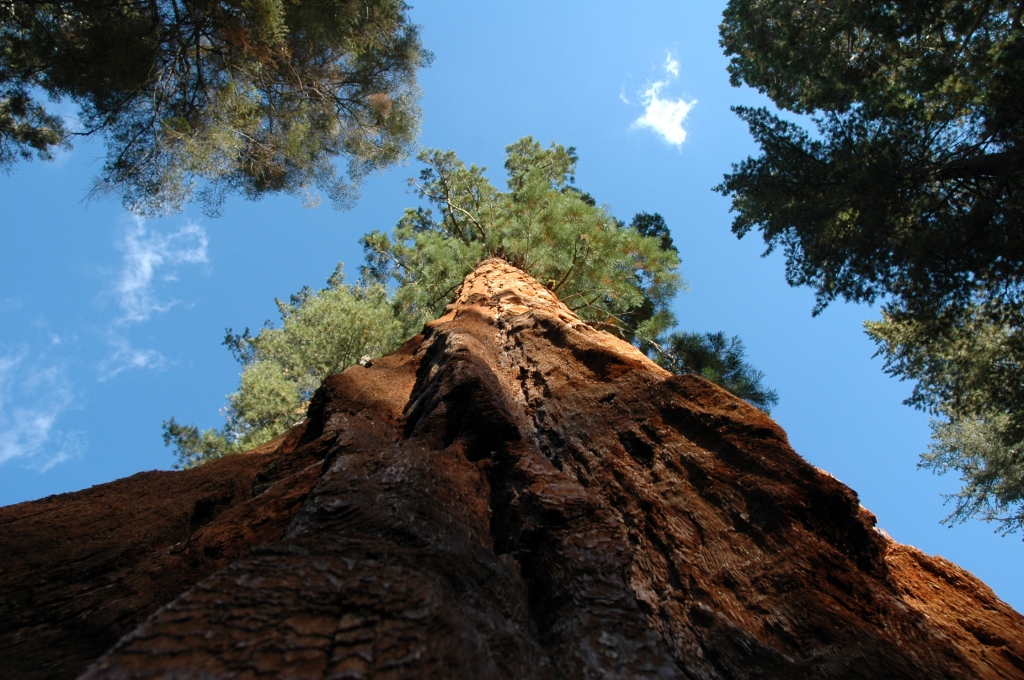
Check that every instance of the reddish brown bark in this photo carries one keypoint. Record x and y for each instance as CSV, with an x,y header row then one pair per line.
x,y
511,494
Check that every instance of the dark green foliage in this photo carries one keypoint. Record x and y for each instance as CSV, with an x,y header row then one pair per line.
x,y
648,225
909,189
912,185
653,225
583,195
26,128
719,359
254,96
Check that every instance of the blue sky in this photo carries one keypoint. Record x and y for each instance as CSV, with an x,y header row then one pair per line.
x,y
110,324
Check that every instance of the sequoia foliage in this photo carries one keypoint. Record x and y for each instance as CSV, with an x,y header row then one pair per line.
x,y
609,274
909,188
252,96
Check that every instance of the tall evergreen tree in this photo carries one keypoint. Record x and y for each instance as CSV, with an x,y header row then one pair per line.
x,y
253,96
910,189
615,276
968,365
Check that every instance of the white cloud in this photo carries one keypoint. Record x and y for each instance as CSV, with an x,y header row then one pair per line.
x,y
125,357
671,65
664,116
28,432
144,253
36,391
150,257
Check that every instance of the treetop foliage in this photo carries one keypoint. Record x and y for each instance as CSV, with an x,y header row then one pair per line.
x,y
603,270
896,56
912,186
322,332
253,96
991,471
969,368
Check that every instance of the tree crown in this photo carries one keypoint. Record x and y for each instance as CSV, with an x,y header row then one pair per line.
x,y
253,96
601,268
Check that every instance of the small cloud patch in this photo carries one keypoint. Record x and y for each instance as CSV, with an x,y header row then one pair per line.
x,y
664,116
28,431
146,252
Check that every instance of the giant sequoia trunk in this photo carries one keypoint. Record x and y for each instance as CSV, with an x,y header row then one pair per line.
x,y
512,494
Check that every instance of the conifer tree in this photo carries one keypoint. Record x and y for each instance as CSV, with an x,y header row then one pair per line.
x,y
910,189
249,96
601,269
322,332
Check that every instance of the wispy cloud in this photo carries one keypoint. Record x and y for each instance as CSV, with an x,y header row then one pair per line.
x,y
28,431
125,357
671,66
665,116
150,258
146,252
